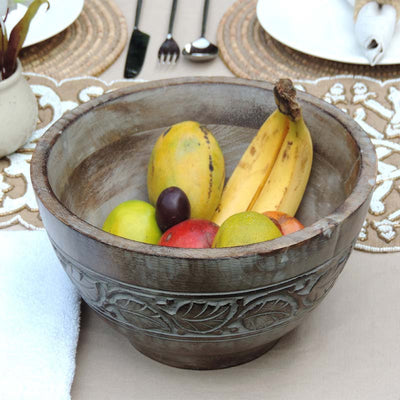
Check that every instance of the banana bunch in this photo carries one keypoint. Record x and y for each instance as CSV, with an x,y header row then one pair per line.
x,y
273,172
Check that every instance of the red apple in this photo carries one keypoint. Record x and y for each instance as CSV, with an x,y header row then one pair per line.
x,y
190,234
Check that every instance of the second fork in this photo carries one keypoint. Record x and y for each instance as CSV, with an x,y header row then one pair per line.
x,y
169,49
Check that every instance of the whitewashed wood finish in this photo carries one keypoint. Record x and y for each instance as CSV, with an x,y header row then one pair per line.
x,y
96,156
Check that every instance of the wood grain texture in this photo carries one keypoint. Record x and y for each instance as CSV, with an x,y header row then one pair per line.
x,y
96,156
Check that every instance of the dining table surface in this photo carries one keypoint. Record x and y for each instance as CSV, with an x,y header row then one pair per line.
x,y
154,20
348,348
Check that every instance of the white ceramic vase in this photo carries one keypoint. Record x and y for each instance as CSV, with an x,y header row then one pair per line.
x,y
18,112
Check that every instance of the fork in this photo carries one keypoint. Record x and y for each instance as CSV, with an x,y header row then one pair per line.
x,y
169,49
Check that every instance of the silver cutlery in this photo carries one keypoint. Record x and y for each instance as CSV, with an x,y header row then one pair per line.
x,y
201,49
169,50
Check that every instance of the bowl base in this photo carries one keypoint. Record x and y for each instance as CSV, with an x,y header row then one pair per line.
x,y
207,361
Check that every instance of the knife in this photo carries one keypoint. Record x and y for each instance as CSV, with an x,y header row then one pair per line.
x,y
137,47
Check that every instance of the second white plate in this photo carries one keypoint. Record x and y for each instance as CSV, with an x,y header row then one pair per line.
x,y
321,28
46,24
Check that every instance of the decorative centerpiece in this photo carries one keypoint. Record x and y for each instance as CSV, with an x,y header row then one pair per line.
x,y
18,107
199,308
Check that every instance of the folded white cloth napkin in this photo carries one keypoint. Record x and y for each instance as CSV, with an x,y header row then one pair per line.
x,y
375,24
39,320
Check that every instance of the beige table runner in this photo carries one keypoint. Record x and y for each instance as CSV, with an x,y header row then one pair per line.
x,y
373,104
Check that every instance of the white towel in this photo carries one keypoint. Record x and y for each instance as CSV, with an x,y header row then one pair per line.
x,y
39,320
374,28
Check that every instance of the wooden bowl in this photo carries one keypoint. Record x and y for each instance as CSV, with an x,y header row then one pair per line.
x,y
197,308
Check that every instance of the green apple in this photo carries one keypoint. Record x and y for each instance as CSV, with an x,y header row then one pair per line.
x,y
135,220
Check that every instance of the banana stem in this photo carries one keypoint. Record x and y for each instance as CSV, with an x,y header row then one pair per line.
x,y
285,99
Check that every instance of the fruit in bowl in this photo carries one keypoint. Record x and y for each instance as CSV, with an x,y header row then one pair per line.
x,y
190,234
135,220
188,156
272,173
274,170
245,228
284,222
197,308
172,207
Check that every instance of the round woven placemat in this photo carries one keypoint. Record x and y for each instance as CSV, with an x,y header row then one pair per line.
x,y
249,52
87,47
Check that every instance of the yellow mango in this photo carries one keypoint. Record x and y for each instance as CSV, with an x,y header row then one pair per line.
x,y
188,156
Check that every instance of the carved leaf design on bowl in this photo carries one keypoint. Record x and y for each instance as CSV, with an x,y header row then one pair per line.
x,y
203,316
268,311
126,308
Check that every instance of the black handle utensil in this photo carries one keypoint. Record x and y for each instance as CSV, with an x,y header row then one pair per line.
x,y
137,47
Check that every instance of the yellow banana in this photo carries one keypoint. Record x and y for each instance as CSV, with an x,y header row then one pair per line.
x,y
254,167
287,182
274,170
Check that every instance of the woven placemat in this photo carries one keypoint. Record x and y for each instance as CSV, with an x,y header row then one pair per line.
x,y
249,52
87,47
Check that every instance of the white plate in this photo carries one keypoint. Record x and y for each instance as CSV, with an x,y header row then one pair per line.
x,y
321,28
45,24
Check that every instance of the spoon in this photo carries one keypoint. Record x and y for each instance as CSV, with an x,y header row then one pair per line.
x,y
201,49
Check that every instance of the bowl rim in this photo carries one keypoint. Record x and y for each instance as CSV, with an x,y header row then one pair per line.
x,y
324,226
